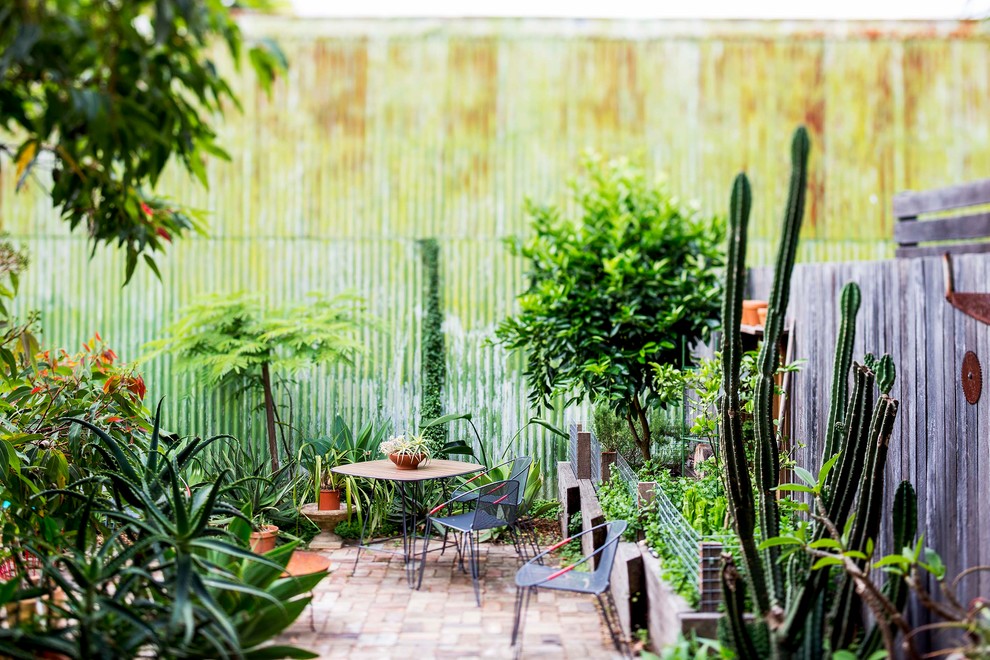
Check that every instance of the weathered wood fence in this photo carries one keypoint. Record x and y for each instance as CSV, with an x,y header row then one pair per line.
x,y
941,443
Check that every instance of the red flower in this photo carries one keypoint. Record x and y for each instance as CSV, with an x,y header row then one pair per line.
x,y
36,390
164,234
111,420
147,209
136,385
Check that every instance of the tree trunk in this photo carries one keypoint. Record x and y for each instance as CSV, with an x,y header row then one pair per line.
x,y
266,383
642,435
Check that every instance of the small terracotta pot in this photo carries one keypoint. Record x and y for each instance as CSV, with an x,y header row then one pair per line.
x,y
329,500
762,313
263,540
406,461
750,315
21,612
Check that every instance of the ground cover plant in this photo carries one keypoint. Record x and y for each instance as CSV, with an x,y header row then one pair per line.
x,y
613,291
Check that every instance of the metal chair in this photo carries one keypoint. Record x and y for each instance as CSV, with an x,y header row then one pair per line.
x,y
518,472
491,506
534,575
524,539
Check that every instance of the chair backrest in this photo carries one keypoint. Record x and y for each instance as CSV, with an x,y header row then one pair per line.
x,y
519,472
498,505
603,573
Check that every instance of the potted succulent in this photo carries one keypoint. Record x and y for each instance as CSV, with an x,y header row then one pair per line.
x,y
407,451
328,483
264,537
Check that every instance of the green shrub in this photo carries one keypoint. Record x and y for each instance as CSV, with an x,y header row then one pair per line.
x,y
619,504
614,291
348,529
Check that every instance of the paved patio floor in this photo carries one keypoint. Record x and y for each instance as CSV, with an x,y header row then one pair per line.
x,y
374,614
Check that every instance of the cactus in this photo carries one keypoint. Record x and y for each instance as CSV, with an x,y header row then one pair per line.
x,y
793,609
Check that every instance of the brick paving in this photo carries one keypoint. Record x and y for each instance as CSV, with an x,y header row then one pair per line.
x,y
374,614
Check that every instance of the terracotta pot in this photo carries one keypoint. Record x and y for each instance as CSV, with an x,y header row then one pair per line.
x,y
406,461
263,540
750,316
329,500
21,612
762,313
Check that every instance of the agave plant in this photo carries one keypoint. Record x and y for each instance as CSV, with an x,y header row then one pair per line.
x,y
152,571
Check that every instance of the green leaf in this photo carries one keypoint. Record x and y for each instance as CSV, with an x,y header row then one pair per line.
x,y
795,487
825,543
805,476
152,265
445,419
826,469
826,561
778,541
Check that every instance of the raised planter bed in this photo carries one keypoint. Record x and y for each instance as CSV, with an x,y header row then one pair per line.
x,y
668,613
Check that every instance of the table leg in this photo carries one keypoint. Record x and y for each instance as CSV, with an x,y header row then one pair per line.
x,y
409,524
364,528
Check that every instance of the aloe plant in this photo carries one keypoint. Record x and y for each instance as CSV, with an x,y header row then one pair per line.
x,y
154,568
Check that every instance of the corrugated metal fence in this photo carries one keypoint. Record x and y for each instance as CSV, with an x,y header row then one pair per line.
x,y
384,132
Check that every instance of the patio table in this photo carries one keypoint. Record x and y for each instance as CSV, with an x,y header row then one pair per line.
x,y
385,470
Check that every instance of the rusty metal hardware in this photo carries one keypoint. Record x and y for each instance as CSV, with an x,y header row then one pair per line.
x,y
976,305
972,377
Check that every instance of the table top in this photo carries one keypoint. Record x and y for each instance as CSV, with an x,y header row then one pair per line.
x,y
385,469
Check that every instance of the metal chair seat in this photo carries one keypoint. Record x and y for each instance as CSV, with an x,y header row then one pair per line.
x,y
493,505
534,575
579,581
470,520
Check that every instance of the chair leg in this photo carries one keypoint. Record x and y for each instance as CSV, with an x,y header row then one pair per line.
x,y
443,548
426,545
522,608
624,641
462,551
611,617
518,544
474,566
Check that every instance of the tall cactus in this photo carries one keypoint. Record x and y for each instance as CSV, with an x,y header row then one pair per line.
x,y
791,603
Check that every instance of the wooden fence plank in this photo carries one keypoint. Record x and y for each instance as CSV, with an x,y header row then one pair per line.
x,y
940,443
945,229
912,203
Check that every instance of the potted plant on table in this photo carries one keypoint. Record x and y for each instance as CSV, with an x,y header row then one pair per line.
x,y
407,451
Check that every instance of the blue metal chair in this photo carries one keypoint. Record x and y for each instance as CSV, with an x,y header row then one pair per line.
x,y
523,533
518,472
534,575
490,506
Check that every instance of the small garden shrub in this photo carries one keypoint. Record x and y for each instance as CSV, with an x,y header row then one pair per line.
x,y
348,529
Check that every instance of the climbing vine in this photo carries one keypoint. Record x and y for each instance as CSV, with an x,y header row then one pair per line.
x,y
434,353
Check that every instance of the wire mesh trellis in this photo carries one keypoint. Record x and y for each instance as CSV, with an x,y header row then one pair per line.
x,y
700,555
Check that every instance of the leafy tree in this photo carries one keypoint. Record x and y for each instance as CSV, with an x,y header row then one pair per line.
x,y
106,93
614,290
235,340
